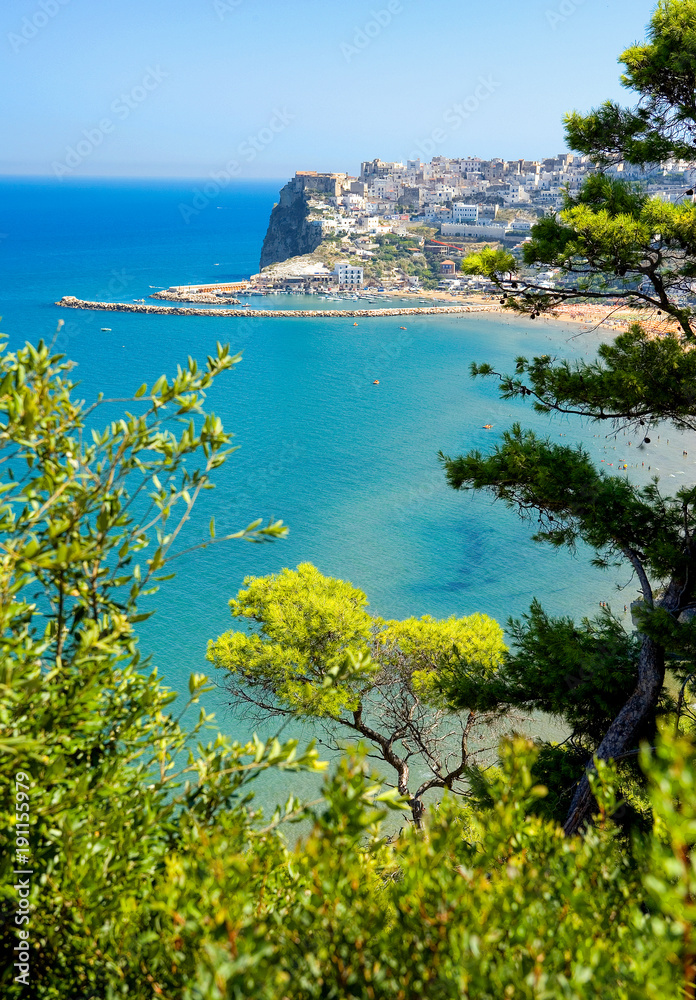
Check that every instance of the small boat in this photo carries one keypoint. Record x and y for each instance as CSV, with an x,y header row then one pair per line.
x,y
487,427
355,324
376,382
402,327
106,329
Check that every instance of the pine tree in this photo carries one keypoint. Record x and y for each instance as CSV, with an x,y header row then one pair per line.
x,y
610,242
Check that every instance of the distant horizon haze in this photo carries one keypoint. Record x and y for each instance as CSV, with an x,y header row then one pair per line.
x,y
175,89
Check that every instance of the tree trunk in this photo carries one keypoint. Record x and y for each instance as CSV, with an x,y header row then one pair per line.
x,y
417,809
622,733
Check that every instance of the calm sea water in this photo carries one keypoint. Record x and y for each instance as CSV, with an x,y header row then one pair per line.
x,y
351,467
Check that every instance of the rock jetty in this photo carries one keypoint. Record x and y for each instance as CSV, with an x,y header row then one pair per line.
x,y
70,302
212,297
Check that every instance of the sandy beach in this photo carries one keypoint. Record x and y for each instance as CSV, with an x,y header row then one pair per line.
x,y
617,318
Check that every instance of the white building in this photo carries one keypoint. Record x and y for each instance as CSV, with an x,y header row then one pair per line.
x,y
384,188
326,225
441,192
369,223
349,275
353,202
480,231
552,197
517,195
436,213
464,213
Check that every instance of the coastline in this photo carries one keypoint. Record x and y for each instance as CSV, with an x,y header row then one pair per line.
x,y
614,319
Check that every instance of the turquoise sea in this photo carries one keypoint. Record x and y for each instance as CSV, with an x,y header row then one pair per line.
x,y
349,466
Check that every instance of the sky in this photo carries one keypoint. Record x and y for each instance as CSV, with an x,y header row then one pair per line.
x,y
188,88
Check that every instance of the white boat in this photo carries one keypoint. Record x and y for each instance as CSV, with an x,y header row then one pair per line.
x,y
106,329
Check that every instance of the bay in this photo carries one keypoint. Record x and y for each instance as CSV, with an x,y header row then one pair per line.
x,y
352,467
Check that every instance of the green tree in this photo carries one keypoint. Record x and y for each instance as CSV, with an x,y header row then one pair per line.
x,y
612,242
91,748
652,534
314,650
662,72
615,242
486,903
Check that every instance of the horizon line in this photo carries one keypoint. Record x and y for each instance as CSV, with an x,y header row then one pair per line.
x,y
133,177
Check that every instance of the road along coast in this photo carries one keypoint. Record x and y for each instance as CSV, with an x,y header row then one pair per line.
x,y
70,302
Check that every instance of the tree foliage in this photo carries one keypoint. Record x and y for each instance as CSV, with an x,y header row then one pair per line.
x,y
575,671
652,534
609,242
316,651
90,521
635,381
662,72
489,904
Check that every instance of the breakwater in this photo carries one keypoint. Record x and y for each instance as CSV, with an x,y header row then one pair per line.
x,y
211,297
70,302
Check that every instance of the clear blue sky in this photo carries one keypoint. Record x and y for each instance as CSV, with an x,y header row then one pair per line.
x,y
187,86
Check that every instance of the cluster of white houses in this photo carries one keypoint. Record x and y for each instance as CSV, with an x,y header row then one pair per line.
x,y
464,192
446,182
462,197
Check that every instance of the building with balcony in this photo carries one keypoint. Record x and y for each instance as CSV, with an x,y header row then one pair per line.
x,y
349,275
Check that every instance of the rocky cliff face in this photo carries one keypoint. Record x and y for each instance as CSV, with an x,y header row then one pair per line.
x,y
289,234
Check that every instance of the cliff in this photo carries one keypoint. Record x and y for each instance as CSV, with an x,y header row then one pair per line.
x,y
289,233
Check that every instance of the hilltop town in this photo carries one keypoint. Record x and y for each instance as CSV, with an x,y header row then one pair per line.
x,y
406,226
